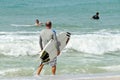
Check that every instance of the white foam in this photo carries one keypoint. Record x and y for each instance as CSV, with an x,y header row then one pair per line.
x,y
12,70
19,44
2,72
16,43
21,25
111,68
95,43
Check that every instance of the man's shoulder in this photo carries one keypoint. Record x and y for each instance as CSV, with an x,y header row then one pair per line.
x,y
43,29
95,17
54,31
46,31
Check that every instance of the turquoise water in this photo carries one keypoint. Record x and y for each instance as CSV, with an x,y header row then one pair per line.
x,y
94,46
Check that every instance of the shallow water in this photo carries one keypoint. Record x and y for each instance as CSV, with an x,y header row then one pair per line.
x,y
94,46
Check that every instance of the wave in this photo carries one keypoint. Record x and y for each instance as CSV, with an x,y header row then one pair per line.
x,y
23,43
95,43
22,25
16,44
111,68
17,72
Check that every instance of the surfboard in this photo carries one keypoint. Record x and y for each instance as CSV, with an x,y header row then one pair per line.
x,y
50,51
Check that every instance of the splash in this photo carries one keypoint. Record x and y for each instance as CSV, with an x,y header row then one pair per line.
x,y
18,43
95,43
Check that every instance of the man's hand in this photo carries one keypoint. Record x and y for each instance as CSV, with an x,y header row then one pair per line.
x,y
58,53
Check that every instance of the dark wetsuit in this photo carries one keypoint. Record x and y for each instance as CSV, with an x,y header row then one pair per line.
x,y
95,17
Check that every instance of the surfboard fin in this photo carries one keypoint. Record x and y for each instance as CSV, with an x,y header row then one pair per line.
x,y
68,34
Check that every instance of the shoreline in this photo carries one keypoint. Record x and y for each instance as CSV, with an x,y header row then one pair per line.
x,y
104,76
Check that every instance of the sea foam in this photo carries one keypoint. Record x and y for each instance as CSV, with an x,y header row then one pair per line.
x,y
16,44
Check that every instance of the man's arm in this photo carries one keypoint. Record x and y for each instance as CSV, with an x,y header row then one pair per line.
x,y
40,43
57,43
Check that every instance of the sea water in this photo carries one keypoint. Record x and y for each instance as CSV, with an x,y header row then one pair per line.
x,y
94,46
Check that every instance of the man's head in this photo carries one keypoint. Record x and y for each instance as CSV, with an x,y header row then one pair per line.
x,y
37,21
48,24
97,13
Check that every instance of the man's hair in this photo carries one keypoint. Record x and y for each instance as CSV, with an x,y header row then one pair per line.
x,y
97,13
48,23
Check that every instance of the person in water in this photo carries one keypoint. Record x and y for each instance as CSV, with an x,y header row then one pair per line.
x,y
37,23
96,16
45,36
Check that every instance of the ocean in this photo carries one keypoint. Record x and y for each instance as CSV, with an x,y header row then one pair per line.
x,y
94,47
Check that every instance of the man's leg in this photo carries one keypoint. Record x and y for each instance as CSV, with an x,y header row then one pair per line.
x,y
54,69
39,69
53,65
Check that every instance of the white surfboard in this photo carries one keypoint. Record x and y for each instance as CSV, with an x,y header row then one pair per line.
x,y
50,52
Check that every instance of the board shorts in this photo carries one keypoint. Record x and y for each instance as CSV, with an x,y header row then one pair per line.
x,y
51,63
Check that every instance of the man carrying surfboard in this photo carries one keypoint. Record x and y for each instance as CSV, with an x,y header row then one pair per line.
x,y
45,36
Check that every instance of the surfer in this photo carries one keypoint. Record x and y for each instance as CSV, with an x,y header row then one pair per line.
x,y
96,16
45,36
37,23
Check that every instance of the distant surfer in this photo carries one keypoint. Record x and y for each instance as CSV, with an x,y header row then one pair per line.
x,y
45,36
37,23
96,17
